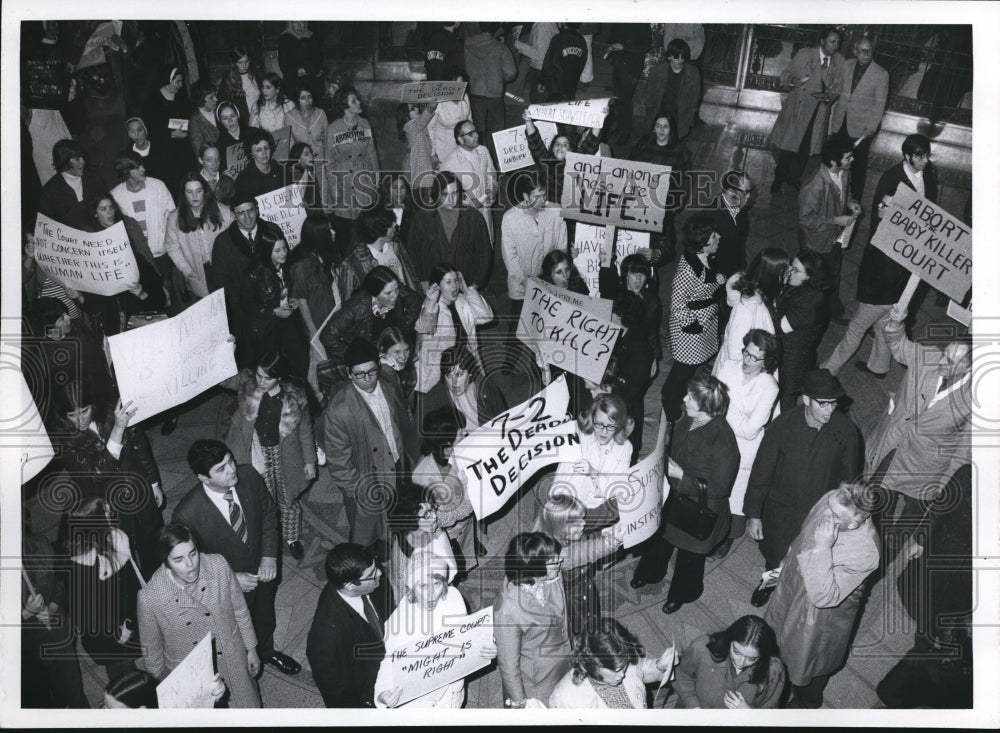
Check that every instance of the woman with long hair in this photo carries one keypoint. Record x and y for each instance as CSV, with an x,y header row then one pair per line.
x,y
272,106
396,196
551,161
240,86
191,230
737,668
395,352
230,136
801,317
308,122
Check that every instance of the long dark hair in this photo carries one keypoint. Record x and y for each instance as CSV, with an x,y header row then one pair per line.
x,y
557,257
278,83
750,631
764,275
403,517
233,75
187,222
605,644
317,238
94,201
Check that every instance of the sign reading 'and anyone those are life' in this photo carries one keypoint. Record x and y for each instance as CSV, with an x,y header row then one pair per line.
x,y
624,193
100,262
498,457
927,241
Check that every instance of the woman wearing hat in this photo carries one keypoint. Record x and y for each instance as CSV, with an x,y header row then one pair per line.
x,y
170,102
155,158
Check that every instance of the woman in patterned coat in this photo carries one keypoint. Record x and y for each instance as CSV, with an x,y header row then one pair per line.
x,y
694,310
192,595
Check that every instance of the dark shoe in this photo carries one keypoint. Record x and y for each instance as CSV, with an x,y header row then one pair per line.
x,y
724,549
284,663
798,703
761,596
776,187
637,584
296,550
169,425
671,607
862,367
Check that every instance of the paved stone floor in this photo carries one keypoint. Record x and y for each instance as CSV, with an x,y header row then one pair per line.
x,y
728,139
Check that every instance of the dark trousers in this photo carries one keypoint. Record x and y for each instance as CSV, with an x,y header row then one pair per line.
x,y
687,583
833,261
859,166
489,115
627,67
675,387
795,363
791,164
260,601
810,695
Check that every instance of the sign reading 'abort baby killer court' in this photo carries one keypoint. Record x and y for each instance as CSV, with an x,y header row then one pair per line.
x,y
624,193
927,241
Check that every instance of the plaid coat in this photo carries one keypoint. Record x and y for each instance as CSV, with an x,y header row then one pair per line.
x,y
173,621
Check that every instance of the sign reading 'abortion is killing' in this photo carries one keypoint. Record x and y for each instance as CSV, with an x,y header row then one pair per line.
x,y
101,263
571,331
606,191
167,363
927,241
509,449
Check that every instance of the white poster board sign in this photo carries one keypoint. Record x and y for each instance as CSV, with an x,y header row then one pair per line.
x,y
190,684
22,433
624,193
102,262
512,145
582,112
284,207
640,500
420,92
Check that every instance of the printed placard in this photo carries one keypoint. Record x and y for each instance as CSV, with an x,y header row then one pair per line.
x,y
512,145
582,112
606,191
167,363
419,92
102,262
927,241
498,457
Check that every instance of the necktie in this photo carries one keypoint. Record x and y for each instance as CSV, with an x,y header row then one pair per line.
x,y
236,516
461,336
373,619
826,61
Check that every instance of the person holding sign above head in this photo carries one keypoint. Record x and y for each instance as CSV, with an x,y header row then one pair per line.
x,y
345,646
551,161
694,310
529,616
352,162
193,227
232,514
222,186
447,114
192,594
262,174
610,670
881,279
704,460
411,121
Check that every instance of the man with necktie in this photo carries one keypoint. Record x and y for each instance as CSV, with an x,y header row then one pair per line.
x,y
345,645
233,515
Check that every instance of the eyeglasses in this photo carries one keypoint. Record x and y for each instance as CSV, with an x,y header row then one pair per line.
x,y
467,133
826,403
604,428
751,357
373,576
370,374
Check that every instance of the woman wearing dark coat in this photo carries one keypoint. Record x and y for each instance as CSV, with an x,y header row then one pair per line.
x,y
703,452
801,318
551,161
635,361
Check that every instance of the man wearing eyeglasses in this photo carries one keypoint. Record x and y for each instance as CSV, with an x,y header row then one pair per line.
x,y
805,453
472,165
864,89
369,442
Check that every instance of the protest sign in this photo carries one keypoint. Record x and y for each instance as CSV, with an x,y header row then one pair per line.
x,y
423,663
190,683
22,433
500,455
167,363
589,240
101,262
571,331
282,143
641,497
236,160
624,193
284,207
419,92
512,145
177,123
927,241
960,314
93,50
582,113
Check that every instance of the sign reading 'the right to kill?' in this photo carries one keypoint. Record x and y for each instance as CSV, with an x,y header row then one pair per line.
x,y
927,241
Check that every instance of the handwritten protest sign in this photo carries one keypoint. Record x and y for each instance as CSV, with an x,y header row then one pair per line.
x,y
101,262
624,193
642,497
93,50
167,363
419,92
422,664
23,436
571,331
284,207
960,314
190,684
589,241
236,160
282,142
927,241
512,145
582,113
509,449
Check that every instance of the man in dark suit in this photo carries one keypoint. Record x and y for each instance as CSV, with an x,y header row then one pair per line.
x,y
65,195
369,442
731,216
234,516
881,279
345,645
857,115
234,250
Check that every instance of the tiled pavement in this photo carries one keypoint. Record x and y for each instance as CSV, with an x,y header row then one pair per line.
x,y
728,139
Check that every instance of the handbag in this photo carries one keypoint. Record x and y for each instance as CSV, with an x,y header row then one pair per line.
x,y
691,516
